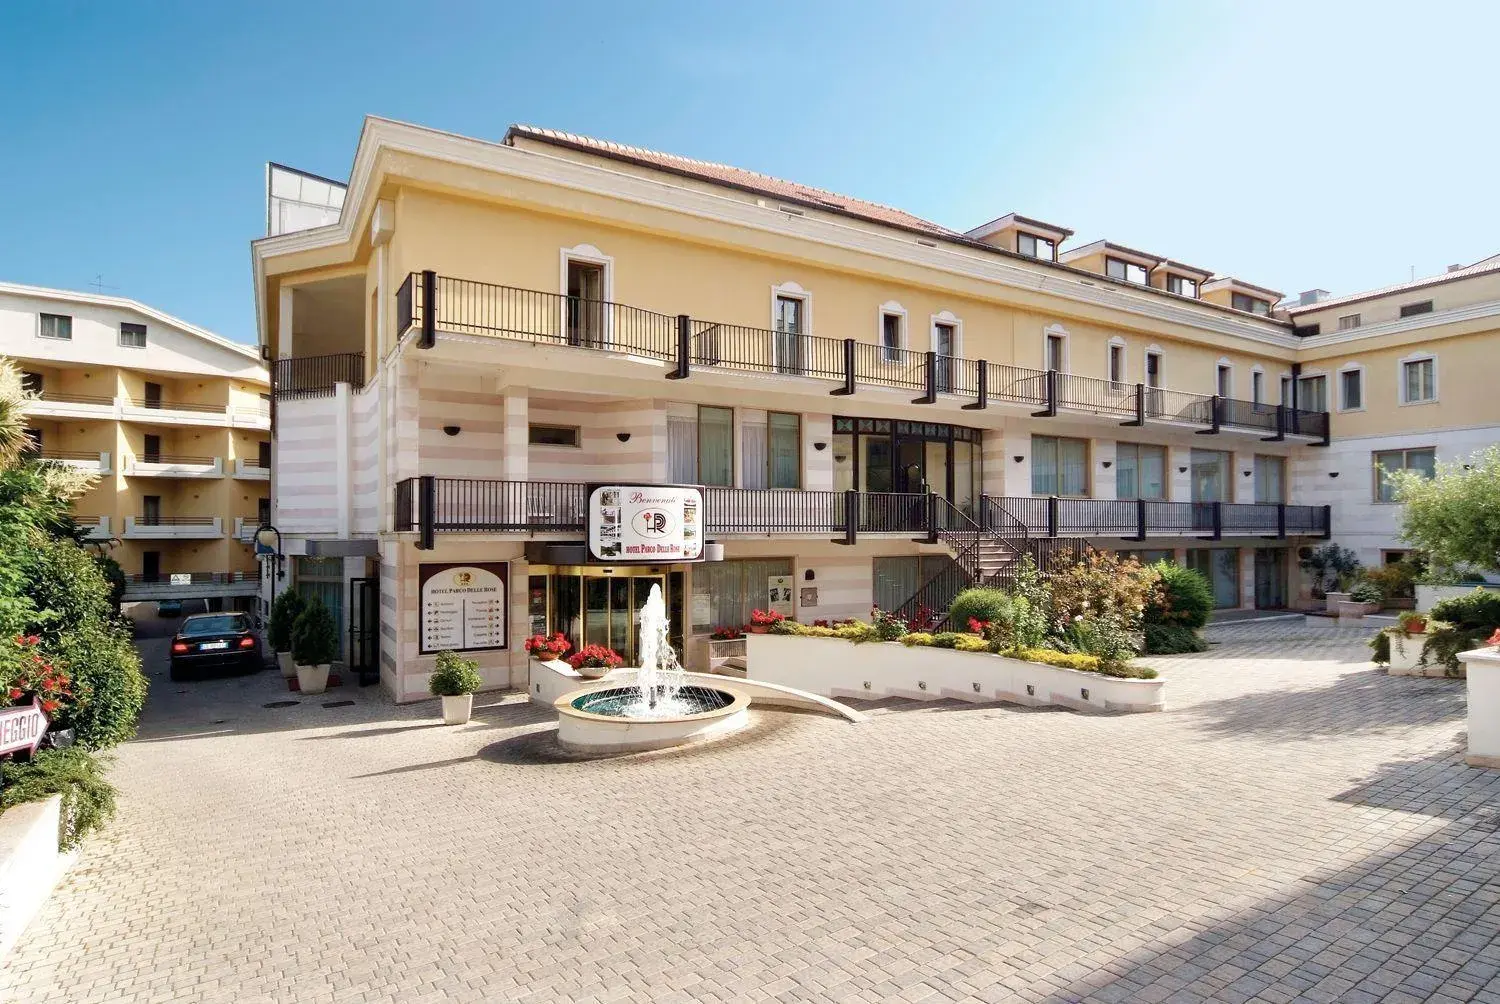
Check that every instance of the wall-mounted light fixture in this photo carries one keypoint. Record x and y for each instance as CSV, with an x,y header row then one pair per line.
x,y
623,437
1018,458
1182,470
808,575
1247,473
820,447
1333,474
451,430
839,458
1107,464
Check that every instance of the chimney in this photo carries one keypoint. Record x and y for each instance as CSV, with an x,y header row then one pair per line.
x,y
1312,296
1457,268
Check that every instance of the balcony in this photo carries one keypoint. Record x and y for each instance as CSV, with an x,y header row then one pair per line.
x,y
245,527
151,527
174,413
430,303
251,470
52,404
252,416
316,376
189,585
162,465
459,505
94,527
84,460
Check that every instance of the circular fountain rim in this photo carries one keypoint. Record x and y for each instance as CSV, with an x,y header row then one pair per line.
x,y
739,701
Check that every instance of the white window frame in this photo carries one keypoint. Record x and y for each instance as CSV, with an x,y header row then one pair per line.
x,y
1348,317
1258,385
588,255
577,443
1364,387
1058,331
53,338
1117,342
1020,234
1219,367
949,318
1167,284
790,290
889,308
1327,391
1284,383
1416,357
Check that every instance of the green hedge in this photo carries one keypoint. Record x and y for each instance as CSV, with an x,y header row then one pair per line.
x,y
1185,599
1173,639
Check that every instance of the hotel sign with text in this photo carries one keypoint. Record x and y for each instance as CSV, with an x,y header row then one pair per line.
x,y
645,523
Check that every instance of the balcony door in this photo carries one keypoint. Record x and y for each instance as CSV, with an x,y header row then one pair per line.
x,y
151,510
585,312
944,346
151,452
1270,578
153,395
150,566
789,331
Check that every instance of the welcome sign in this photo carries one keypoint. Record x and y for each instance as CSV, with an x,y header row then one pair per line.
x,y
645,523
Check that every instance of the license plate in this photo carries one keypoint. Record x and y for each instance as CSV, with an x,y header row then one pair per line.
x,y
210,646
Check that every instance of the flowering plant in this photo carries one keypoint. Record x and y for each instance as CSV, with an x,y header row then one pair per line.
x,y
727,634
543,647
1494,638
977,626
596,657
29,674
924,618
765,618
821,622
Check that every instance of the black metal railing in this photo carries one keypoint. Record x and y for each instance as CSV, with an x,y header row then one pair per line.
x,y
765,350
1054,517
61,398
196,578
773,510
1099,397
316,376
173,458
151,519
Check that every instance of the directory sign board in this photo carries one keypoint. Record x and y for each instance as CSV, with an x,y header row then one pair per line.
x,y
464,606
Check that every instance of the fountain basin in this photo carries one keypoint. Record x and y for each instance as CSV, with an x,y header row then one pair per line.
x,y
606,730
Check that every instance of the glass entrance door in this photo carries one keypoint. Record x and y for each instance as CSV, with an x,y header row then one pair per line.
x,y
591,607
1270,578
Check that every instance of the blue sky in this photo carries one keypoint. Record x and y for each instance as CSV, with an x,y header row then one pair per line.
x,y
1294,145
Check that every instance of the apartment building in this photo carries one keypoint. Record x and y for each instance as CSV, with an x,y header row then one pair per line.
x,y
878,408
174,420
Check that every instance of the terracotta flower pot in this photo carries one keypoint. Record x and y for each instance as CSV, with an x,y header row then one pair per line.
x,y
591,672
759,629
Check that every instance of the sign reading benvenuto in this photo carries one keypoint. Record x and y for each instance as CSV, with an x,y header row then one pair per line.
x,y
646,523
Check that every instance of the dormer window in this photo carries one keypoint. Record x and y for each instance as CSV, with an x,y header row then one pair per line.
x,y
1033,246
1250,304
1182,286
1127,271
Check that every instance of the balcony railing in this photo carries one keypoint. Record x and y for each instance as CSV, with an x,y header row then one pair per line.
x,y
447,505
317,376
461,306
56,397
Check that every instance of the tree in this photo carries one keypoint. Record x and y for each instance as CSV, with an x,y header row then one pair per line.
x,y
1454,516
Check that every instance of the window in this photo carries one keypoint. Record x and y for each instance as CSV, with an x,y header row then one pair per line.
x,y
56,326
1413,309
716,446
1115,268
1257,387
1225,385
898,579
892,338
1221,567
1286,391
1036,247
1250,304
132,335
1182,286
1057,351
1418,381
31,382
1306,330
772,450
263,456
1387,462
1312,393
1153,369
152,392
1352,390
553,435
1348,322
263,511
726,591
788,325
1059,466
151,449
1140,471
1117,364
585,303
1210,473
1270,480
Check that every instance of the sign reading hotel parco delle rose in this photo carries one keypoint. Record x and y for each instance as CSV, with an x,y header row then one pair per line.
x,y
464,606
646,523
22,728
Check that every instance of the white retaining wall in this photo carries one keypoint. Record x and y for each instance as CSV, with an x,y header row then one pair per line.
x,y
30,864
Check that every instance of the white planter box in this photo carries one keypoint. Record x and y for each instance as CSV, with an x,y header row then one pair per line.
x,y
836,668
457,710
1405,652
1332,601
1483,666
1427,596
312,679
1351,608
30,864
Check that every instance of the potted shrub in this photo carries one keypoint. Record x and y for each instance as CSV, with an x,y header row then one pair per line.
x,y
284,613
545,649
593,661
315,640
761,621
1412,623
454,680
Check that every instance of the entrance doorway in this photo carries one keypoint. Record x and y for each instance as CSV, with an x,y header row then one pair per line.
x,y
601,606
1270,578
585,304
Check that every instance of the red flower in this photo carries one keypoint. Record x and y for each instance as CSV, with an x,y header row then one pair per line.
x,y
1494,638
15,693
49,706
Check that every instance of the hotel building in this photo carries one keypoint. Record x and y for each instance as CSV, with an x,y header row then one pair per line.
x,y
173,419
881,409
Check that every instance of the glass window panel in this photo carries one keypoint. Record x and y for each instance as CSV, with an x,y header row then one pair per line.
x,y
596,611
1270,480
1073,466
964,478
754,452
1043,465
843,462
619,615
536,604
937,467
1351,389
729,590
1210,470
682,450
567,597
1312,394
785,450
875,463
716,446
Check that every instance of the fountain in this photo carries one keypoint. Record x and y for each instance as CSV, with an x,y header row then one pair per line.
x,y
659,709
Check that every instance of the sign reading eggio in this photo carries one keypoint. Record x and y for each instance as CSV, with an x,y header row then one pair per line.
x,y
646,523
463,606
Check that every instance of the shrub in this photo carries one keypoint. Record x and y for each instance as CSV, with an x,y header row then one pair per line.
x,y
1052,657
916,638
1172,639
454,676
946,639
786,626
1477,609
1185,598
1367,592
887,626
315,636
856,631
1102,583
817,631
1105,636
1329,566
981,603
284,612
1397,580
88,800
1380,648
1443,642
107,680
971,643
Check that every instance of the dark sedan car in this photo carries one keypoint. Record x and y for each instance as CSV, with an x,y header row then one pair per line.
x,y
214,640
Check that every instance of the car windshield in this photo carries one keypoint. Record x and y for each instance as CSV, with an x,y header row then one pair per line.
x,y
215,625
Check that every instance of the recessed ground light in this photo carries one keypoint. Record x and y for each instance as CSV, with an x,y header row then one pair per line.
x,y
921,684
278,704
1085,692
338,704
1030,690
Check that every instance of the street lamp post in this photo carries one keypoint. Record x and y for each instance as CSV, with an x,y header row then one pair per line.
x,y
268,544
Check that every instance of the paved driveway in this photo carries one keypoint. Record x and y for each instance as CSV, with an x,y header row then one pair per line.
x,y
1296,826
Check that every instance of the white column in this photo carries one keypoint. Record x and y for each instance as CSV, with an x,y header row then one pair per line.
x,y
284,323
1181,481
1102,479
517,434
341,448
1244,488
817,465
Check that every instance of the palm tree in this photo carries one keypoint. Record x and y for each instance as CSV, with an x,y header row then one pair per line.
x,y
13,398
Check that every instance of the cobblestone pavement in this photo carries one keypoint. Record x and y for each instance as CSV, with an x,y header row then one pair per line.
x,y
1296,826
